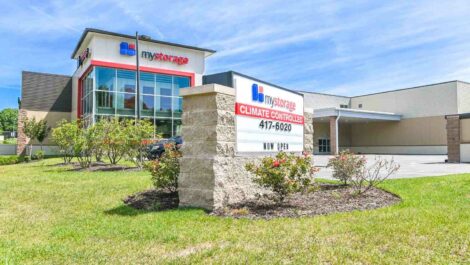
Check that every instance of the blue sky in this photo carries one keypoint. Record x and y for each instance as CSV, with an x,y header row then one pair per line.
x,y
343,47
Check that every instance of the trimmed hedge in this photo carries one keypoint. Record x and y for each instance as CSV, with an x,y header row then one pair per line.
x,y
10,160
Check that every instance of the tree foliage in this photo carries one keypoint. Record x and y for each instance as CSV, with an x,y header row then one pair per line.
x,y
9,120
35,130
64,136
137,132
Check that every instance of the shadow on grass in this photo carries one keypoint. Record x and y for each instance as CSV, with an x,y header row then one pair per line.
x,y
124,210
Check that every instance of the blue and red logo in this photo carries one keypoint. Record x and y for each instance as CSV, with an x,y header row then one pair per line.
x,y
127,48
257,93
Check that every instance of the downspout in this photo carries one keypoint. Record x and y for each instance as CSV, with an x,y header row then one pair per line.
x,y
337,132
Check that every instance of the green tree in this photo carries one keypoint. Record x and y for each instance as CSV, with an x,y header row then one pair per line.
x,y
137,133
35,130
83,145
9,120
114,139
64,135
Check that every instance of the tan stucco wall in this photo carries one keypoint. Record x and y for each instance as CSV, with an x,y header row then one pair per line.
x,y
52,119
463,94
433,100
465,131
426,131
314,101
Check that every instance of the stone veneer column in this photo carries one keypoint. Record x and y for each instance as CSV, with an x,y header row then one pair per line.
x,y
333,135
22,140
453,138
211,175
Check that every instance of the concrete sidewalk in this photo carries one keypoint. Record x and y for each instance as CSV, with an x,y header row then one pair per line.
x,y
411,166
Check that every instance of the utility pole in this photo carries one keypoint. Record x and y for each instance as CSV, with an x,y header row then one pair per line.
x,y
137,73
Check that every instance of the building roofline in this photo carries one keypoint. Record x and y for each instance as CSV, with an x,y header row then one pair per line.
x,y
99,31
41,73
408,88
324,94
267,83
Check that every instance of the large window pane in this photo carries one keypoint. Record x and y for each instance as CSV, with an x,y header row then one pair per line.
x,y
126,81
178,83
126,104
163,106
105,102
147,83
177,107
163,128
176,127
164,85
105,79
148,105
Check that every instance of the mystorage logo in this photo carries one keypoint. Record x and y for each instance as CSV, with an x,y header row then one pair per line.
x,y
257,93
127,49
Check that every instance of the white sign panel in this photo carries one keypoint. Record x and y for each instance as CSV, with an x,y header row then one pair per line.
x,y
268,119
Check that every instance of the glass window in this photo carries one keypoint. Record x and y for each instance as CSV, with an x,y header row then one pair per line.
x,y
147,83
163,106
148,105
126,81
163,128
176,127
105,102
164,85
125,104
178,83
105,78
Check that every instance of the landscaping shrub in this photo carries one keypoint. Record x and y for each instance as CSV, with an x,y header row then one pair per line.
x,y
114,139
284,174
9,141
136,134
346,165
39,155
166,169
351,169
84,144
35,130
10,160
372,176
64,136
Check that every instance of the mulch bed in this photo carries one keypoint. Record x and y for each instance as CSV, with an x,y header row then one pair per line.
x,y
153,200
329,199
101,166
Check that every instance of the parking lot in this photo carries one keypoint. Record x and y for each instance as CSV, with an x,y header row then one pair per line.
x,y
411,166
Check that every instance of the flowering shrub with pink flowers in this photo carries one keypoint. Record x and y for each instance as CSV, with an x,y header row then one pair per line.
x,y
284,173
345,165
352,169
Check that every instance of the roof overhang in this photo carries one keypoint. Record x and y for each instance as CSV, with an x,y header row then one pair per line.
x,y
89,31
354,115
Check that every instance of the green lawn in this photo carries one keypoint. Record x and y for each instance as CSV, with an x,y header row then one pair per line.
x,y
51,215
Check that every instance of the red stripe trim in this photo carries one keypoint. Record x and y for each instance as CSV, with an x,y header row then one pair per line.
x,y
145,69
268,114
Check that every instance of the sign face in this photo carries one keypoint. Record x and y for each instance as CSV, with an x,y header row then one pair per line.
x,y
268,119
128,49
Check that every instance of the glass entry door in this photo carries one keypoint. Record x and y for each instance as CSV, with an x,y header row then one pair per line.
x,y
324,145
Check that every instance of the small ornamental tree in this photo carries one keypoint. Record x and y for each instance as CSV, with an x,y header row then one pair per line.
x,y
97,134
137,133
352,169
284,174
345,165
166,169
83,146
114,139
63,136
35,130
42,131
